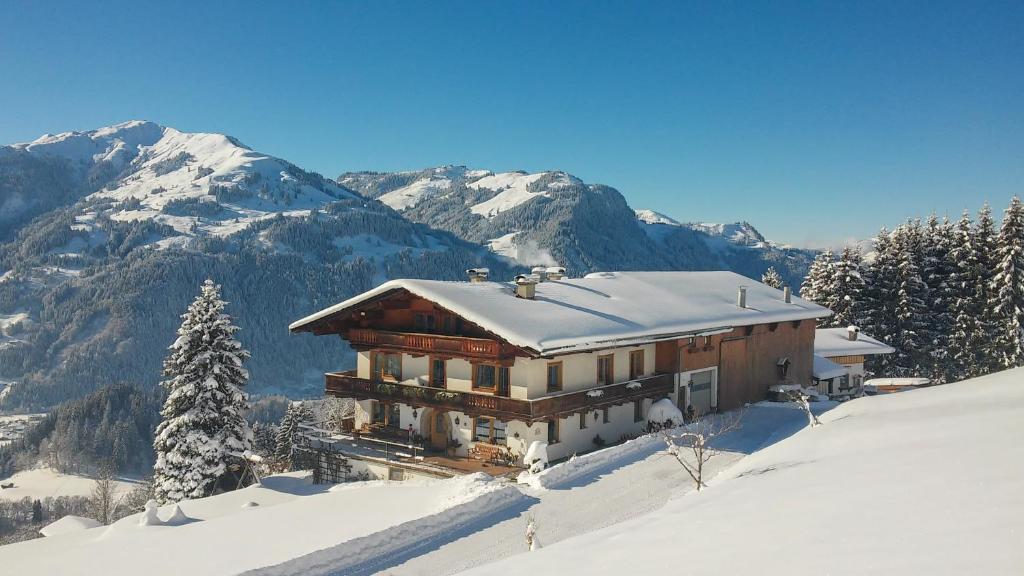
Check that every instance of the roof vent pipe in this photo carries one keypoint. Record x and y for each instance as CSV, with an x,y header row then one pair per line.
x,y
556,273
741,297
852,332
478,274
526,287
787,293
541,272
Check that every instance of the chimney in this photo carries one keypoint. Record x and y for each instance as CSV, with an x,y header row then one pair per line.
x,y
852,332
741,297
787,294
526,287
556,273
541,272
478,274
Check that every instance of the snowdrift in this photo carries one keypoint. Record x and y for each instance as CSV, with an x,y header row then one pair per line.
x,y
924,482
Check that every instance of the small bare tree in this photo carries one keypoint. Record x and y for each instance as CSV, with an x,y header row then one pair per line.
x,y
693,448
802,399
531,534
102,501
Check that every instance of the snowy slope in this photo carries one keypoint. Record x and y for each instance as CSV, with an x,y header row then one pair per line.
x,y
152,167
922,482
514,188
293,522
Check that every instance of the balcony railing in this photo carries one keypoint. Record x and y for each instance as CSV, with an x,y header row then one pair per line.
x,y
347,385
427,343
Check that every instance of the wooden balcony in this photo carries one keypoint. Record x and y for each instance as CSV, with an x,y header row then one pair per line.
x,y
416,343
347,385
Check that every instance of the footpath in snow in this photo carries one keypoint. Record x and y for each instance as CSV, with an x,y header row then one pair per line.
x,y
312,529
594,491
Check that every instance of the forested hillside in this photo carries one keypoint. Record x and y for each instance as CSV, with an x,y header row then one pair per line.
x,y
91,291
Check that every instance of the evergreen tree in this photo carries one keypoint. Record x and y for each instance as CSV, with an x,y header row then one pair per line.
x,y
1007,289
848,289
204,415
819,284
966,338
938,274
879,297
772,278
288,431
912,336
985,249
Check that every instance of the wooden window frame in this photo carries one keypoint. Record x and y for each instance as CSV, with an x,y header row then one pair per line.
x,y
373,367
633,364
492,435
554,424
547,375
611,369
583,420
605,417
638,410
444,381
476,371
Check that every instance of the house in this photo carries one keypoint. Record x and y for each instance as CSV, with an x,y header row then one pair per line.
x,y
839,355
479,366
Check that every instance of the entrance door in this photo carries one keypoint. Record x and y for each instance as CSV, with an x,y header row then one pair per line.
x,y
700,391
437,432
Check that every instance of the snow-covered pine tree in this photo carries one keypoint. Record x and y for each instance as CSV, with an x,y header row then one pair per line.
x,y
848,288
1007,290
985,250
966,334
819,284
938,275
912,336
204,415
288,432
772,278
879,297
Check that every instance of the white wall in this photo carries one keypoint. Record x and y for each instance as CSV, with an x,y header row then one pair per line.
x,y
573,440
579,371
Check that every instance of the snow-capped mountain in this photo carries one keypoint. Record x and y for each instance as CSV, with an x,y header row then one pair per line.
x,y
195,183
110,232
555,217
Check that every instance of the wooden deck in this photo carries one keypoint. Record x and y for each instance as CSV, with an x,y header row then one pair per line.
x,y
464,465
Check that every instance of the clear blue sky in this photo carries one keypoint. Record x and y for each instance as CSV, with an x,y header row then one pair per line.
x,y
816,122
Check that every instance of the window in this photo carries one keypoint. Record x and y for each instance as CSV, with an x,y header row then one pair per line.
x,y
491,378
387,366
707,341
423,322
844,382
553,431
605,369
490,430
394,416
377,412
438,375
638,410
858,381
636,364
484,376
692,341
554,376
605,416
503,380
583,420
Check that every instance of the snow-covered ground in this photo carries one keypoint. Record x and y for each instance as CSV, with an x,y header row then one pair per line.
x,y
595,491
41,483
923,482
14,426
310,529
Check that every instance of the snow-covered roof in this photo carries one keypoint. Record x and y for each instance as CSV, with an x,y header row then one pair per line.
x,y
825,369
67,525
601,309
830,342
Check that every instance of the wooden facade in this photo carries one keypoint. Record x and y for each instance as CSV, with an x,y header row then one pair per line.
x,y
348,385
